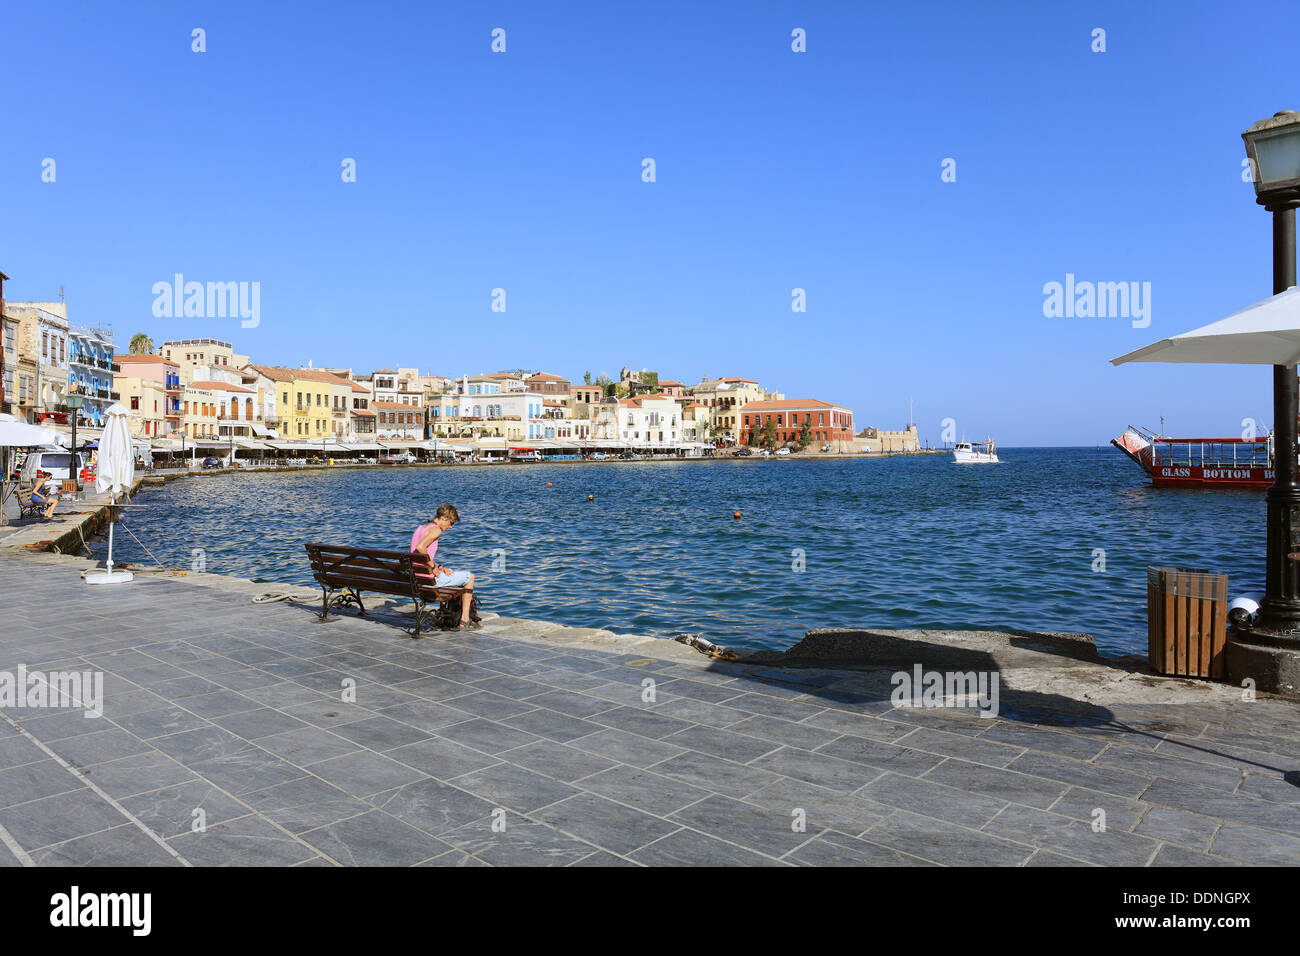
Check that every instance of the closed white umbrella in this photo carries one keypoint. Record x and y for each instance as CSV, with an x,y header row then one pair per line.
x,y
115,472
1266,333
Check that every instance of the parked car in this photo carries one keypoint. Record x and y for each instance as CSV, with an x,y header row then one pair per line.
x,y
55,462
826,447
599,456
742,453
211,462
626,456
783,451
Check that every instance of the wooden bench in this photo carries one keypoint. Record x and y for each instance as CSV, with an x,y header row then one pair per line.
x,y
344,572
26,506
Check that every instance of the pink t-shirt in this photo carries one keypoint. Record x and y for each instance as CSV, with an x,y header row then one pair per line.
x,y
420,532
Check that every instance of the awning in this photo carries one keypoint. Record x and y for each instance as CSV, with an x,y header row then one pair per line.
x,y
260,430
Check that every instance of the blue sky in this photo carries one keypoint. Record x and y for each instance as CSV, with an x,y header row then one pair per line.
x,y
775,170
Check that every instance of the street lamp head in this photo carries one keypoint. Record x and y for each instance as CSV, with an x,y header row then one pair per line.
x,y
1273,148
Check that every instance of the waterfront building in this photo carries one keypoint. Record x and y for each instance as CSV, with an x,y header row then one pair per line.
x,y
872,439
672,389
43,358
695,420
301,406
135,370
9,381
90,372
552,386
724,398
644,420
362,415
272,386
198,412
582,397
189,354
146,402
828,423
398,420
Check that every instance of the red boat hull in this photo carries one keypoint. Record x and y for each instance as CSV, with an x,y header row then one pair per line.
x,y
1184,476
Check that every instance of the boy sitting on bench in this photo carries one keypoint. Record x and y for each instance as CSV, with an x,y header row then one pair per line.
x,y
425,541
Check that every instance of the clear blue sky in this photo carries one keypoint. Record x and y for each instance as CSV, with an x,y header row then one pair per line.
x,y
775,170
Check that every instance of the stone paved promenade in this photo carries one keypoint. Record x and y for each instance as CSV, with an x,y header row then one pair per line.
x,y
217,704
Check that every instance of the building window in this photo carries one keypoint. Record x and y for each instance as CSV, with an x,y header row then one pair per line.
x,y
135,403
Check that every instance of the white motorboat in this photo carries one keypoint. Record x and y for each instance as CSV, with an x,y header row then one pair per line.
x,y
975,453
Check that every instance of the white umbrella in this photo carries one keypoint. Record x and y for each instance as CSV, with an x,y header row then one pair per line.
x,y
1266,333
114,475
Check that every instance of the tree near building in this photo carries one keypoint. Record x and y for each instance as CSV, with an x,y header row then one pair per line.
x,y
769,433
141,344
586,378
805,433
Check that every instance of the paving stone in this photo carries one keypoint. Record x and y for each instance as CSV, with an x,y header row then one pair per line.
x,y
248,841
486,735
441,758
521,843
552,725
1048,741
1257,847
307,745
248,770
433,806
803,735
945,843
1047,858
691,848
16,750
963,807
1082,804
643,789
1090,775
121,847
363,774
305,804
613,826
1071,837
849,813
381,733
838,849
141,773
557,760
1176,826
715,774
757,828
1231,807
626,747
1155,764
33,781
505,785
54,819
1171,855
170,811
882,755
1008,785
1271,788
721,743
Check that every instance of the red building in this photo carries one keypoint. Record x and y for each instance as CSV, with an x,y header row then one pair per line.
x,y
826,422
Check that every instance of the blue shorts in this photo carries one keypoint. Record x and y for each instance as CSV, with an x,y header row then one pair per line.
x,y
456,579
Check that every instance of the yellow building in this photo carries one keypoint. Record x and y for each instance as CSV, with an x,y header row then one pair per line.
x,y
301,405
146,403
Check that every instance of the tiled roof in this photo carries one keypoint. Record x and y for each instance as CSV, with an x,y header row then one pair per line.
x,y
220,387
797,404
119,359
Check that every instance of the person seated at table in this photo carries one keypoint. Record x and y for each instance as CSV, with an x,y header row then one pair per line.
x,y
45,493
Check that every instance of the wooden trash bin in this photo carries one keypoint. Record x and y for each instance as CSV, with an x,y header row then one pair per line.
x,y
1187,617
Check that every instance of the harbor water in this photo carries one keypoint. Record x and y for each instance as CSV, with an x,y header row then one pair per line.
x,y
1051,539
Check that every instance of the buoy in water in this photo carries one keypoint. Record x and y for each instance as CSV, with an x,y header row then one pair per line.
x,y
591,497
736,515
548,484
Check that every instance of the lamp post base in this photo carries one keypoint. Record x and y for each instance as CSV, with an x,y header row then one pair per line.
x,y
1274,667
109,577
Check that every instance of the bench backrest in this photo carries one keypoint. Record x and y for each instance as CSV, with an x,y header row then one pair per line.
x,y
367,569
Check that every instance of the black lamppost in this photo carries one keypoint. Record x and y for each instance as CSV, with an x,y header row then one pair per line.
x,y
1273,149
74,407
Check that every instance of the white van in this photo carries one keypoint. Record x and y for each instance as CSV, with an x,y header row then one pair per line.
x,y
55,462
